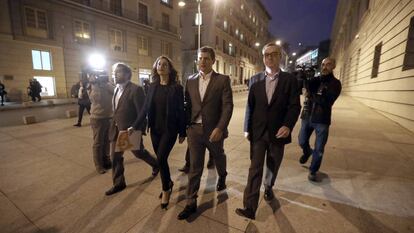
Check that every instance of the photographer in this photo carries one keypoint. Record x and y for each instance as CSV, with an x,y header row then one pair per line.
x,y
321,93
100,92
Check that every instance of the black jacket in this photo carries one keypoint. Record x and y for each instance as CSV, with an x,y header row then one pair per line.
x,y
175,120
323,91
283,109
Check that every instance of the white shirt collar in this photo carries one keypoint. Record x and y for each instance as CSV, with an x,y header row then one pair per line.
x,y
121,86
206,76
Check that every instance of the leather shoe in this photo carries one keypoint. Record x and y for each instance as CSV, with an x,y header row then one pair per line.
x,y
268,195
155,171
312,177
246,212
187,212
221,183
77,125
210,164
304,158
115,189
184,169
107,165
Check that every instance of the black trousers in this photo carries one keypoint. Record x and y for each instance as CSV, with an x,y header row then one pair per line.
x,y
117,158
82,108
259,150
163,144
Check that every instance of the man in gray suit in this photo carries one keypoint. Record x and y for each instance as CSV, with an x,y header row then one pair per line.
x,y
128,103
209,108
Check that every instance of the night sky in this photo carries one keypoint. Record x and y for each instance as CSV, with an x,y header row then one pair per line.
x,y
305,21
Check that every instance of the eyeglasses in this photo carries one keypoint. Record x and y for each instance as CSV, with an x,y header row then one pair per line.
x,y
273,54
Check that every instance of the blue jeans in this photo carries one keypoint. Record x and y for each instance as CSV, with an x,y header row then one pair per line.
x,y
321,134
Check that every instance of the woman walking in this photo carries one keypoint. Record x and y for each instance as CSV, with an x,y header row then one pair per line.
x,y
166,118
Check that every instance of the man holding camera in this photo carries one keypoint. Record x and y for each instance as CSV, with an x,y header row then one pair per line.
x,y
100,92
320,95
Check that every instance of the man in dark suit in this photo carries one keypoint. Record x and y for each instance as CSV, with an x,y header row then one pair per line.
x,y
209,108
272,110
128,103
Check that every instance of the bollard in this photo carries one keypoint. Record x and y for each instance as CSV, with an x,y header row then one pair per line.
x,y
29,119
71,113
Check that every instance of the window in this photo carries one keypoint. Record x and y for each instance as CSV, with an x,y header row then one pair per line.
x,y
41,60
116,38
142,13
115,7
224,46
224,68
217,65
357,65
409,49
82,30
165,23
376,62
36,22
166,48
48,85
143,45
225,25
231,49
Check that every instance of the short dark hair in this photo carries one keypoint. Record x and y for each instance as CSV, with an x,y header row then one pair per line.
x,y
209,50
125,68
172,77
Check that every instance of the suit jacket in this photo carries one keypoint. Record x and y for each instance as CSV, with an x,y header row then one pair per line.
x,y
129,112
283,110
176,118
217,105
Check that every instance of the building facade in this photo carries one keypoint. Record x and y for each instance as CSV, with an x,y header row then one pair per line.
x,y
51,40
237,30
373,43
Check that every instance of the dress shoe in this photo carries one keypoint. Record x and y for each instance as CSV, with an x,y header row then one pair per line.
x,y
187,212
165,196
268,195
221,183
304,158
115,189
77,125
210,164
155,171
184,169
312,177
246,212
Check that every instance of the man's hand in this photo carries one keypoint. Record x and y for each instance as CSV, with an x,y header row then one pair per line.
x,y
283,132
181,140
216,135
130,130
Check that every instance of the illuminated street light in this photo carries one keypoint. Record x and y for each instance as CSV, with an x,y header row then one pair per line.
x,y
290,62
96,61
278,42
293,54
181,3
257,44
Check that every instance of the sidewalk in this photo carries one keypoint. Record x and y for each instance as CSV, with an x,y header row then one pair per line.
x,y
48,182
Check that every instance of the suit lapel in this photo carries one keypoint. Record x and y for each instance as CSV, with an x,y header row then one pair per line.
x,y
213,78
123,96
262,86
196,89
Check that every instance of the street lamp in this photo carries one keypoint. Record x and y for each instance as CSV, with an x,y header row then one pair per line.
x,y
293,54
181,3
199,20
278,42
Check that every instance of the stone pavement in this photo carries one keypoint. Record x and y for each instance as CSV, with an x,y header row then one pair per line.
x,y
48,182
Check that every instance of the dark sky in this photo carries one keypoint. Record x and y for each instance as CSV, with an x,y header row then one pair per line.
x,y
305,21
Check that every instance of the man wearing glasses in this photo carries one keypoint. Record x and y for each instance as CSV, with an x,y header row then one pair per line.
x,y
272,110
